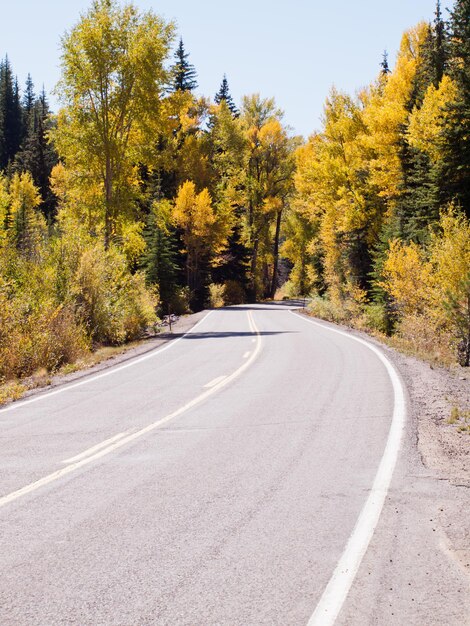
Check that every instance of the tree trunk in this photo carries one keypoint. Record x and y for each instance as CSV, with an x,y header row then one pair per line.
x,y
254,261
108,186
276,254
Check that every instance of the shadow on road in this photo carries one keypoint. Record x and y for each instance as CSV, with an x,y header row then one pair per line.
x,y
266,306
225,334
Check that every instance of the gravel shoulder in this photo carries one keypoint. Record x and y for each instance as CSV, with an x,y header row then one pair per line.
x,y
437,445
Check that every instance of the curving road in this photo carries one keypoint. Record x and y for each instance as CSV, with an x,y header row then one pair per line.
x,y
223,480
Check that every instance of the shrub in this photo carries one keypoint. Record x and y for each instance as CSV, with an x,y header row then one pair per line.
x,y
114,305
180,300
376,317
216,296
234,293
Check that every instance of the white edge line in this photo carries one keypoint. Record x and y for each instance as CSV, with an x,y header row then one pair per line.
x,y
95,448
337,589
139,433
112,370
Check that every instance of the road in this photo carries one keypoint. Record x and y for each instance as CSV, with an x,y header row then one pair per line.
x,y
229,478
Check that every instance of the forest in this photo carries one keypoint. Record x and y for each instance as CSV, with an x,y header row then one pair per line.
x,y
139,197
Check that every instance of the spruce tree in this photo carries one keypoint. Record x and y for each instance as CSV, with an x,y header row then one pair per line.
x,y
183,73
224,94
456,161
10,115
29,99
440,45
159,261
37,154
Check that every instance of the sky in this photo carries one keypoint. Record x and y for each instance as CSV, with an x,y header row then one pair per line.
x,y
294,51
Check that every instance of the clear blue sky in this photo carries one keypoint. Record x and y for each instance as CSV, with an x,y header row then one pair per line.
x,y
294,51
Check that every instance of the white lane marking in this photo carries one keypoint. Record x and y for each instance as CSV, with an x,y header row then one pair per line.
x,y
335,593
246,355
94,449
21,403
139,433
214,382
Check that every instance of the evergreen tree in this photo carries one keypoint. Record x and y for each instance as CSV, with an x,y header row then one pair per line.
x,y
183,73
10,115
418,204
456,162
440,45
37,155
384,64
29,100
160,258
224,94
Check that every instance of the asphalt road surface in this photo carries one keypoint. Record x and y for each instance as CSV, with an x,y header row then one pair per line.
x,y
258,470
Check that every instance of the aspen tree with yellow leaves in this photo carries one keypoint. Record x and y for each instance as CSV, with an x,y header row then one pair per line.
x,y
113,79
387,251
204,233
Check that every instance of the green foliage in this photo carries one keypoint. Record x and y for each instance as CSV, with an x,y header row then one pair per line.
x,y
183,73
224,95
11,122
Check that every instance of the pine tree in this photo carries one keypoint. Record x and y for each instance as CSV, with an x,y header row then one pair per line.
x,y
10,115
456,162
184,74
224,94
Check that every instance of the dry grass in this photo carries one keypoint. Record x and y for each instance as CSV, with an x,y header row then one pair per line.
x,y
460,418
16,389
415,336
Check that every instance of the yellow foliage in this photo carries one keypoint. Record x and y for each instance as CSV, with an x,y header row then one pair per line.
x,y
426,124
408,277
386,113
133,243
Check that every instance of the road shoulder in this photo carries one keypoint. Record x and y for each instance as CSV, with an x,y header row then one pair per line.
x,y
441,447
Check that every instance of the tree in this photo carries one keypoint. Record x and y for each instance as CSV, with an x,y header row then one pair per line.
x,y
27,227
263,187
384,64
159,259
228,146
183,73
11,123
29,98
456,154
112,83
224,94
37,154
204,232
440,45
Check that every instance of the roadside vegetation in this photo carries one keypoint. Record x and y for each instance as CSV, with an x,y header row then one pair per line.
x,y
139,197
379,231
